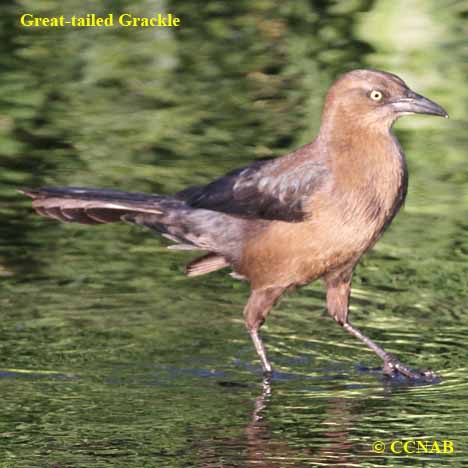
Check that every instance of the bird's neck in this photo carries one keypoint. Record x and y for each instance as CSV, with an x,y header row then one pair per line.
x,y
369,169
362,151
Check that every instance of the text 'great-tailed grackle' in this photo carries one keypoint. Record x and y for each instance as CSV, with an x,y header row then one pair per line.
x,y
289,221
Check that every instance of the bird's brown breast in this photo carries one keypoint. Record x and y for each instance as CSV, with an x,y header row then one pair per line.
x,y
346,217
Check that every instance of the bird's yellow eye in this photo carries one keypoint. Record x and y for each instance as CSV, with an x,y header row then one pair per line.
x,y
376,95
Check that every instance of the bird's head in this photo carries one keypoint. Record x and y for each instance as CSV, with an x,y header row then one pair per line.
x,y
371,98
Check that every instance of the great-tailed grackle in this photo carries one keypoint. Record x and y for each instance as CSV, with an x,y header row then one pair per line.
x,y
285,222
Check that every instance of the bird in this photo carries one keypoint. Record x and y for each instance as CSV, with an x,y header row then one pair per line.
x,y
285,222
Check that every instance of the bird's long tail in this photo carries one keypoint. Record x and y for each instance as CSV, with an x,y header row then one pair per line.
x,y
188,227
91,206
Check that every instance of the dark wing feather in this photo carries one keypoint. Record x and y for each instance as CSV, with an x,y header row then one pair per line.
x,y
263,190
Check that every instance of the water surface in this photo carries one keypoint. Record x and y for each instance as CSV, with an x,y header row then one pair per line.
x,y
109,355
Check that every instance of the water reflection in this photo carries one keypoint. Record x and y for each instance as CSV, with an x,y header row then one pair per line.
x,y
266,451
331,431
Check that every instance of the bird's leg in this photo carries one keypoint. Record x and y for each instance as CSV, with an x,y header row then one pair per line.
x,y
338,292
260,348
392,366
256,310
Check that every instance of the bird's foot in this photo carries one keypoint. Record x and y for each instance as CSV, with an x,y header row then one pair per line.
x,y
394,368
267,375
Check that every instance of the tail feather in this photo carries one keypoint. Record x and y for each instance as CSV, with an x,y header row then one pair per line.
x,y
188,227
206,264
82,193
90,206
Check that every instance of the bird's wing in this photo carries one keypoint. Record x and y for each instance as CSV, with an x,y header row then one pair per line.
x,y
267,190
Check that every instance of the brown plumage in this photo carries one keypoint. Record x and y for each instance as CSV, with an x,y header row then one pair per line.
x,y
285,222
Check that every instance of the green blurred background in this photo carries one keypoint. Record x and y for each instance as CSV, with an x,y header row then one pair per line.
x,y
109,355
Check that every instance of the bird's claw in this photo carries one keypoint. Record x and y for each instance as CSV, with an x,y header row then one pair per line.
x,y
267,375
394,368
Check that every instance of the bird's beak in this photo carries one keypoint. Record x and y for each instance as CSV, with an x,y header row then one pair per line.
x,y
417,104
